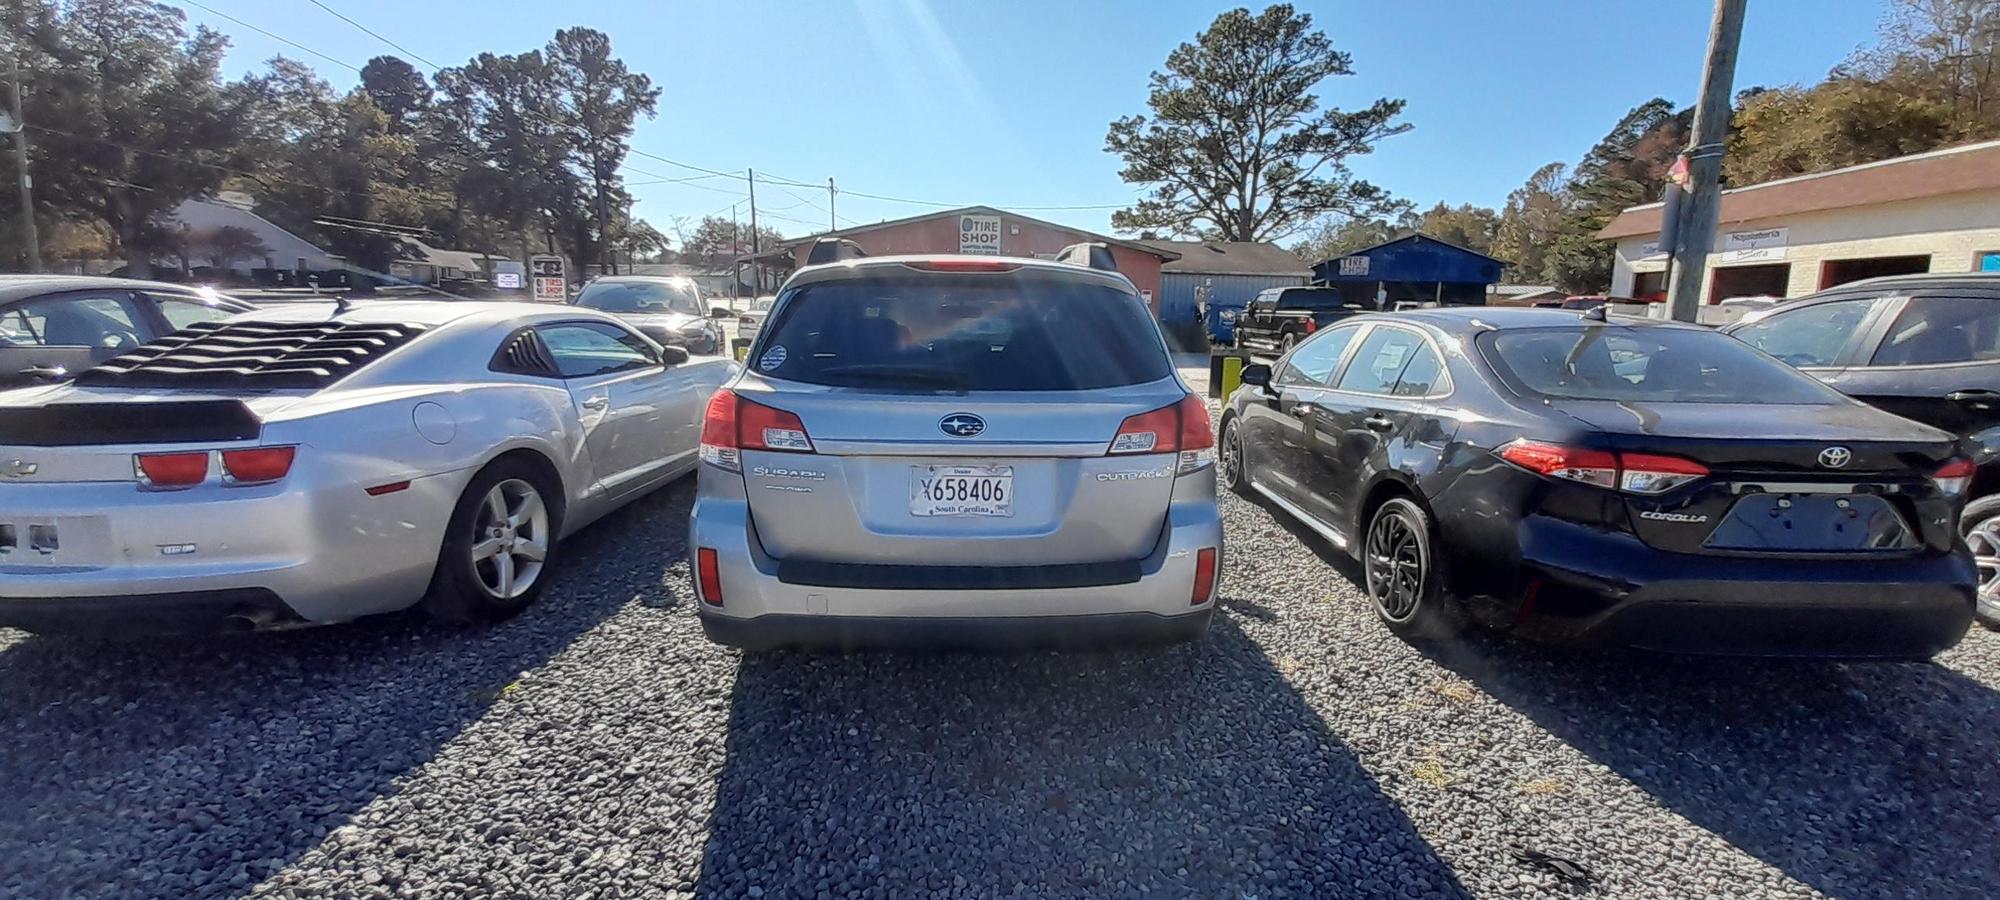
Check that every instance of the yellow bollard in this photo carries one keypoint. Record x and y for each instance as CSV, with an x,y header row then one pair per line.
x,y
1232,375
742,352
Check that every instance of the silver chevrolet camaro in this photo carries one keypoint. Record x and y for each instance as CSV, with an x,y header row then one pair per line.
x,y
312,464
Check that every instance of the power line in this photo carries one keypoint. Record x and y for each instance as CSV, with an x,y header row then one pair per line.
x,y
279,38
376,35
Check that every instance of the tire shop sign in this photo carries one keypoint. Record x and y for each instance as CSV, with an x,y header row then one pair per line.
x,y
979,234
550,284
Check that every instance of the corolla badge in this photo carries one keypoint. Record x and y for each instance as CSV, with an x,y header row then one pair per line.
x,y
1835,457
962,425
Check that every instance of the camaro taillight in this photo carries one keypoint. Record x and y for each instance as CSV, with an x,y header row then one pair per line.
x,y
1954,476
1633,473
187,468
258,464
170,470
1180,428
734,424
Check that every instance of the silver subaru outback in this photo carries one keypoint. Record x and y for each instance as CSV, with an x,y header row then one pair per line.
x,y
945,449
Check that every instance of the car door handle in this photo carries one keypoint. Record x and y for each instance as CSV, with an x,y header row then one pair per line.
x,y
1973,394
597,403
44,372
1378,423
1301,410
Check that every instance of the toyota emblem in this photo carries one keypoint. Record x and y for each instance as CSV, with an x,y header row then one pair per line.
x,y
962,425
1835,457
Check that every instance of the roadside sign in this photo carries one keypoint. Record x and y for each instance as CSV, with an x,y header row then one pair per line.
x,y
1354,265
979,234
507,280
550,284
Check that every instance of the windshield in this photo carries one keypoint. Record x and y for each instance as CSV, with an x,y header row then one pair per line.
x,y
972,333
641,297
1644,364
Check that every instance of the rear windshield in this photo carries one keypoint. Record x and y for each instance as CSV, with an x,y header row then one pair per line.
x,y
1644,364
1326,298
641,297
963,332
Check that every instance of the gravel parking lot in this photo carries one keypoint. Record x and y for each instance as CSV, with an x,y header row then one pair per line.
x,y
597,746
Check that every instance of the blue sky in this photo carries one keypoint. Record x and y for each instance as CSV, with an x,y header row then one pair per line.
x,y
1006,103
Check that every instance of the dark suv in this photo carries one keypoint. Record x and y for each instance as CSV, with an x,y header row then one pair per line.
x,y
1925,347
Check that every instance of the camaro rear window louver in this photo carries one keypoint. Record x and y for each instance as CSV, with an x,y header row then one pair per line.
x,y
524,354
252,355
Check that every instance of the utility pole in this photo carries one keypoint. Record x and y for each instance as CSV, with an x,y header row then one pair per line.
x,y
831,225
735,253
756,246
30,238
1702,206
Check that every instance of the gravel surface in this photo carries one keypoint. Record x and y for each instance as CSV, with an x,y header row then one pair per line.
x,y
597,746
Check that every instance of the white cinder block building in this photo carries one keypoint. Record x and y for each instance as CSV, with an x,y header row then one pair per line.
x,y
1932,212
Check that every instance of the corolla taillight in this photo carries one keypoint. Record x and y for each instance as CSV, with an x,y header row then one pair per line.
x,y
1954,476
1633,473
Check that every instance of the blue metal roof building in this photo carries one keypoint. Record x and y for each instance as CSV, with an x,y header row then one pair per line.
x,y
1414,268
1212,277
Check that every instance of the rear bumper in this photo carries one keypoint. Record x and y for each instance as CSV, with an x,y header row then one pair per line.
x,y
773,631
186,612
762,609
1606,589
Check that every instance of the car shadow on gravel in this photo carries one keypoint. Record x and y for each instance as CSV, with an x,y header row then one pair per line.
x,y
196,767
1858,780
1194,770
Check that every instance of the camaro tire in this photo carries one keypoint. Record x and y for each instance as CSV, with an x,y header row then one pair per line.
x,y
1980,525
1403,574
499,548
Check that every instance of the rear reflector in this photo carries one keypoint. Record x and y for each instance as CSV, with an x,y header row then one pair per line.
x,y
390,488
962,265
1204,576
708,576
171,469
258,464
1954,476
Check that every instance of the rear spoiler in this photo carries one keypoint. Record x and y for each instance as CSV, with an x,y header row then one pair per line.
x,y
143,422
827,250
1090,256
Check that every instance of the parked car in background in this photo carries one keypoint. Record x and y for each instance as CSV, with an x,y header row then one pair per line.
x,y
1277,319
750,319
943,448
312,464
53,326
1925,347
669,310
1625,483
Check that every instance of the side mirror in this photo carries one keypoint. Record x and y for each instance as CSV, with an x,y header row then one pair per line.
x,y
1256,374
671,356
1983,446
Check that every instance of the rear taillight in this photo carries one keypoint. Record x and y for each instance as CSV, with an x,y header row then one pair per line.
x,y
1954,476
1633,473
1204,576
171,470
708,576
1310,325
257,464
734,424
1181,428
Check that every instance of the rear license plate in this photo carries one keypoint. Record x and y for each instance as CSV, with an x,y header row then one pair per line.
x,y
962,491
1778,522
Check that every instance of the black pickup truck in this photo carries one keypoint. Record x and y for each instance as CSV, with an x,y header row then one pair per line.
x,y
1281,317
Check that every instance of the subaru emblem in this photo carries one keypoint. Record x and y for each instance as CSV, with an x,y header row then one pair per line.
x,y
962,425
1835,457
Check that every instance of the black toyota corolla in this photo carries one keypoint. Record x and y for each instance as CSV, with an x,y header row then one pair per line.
x,y
1621,482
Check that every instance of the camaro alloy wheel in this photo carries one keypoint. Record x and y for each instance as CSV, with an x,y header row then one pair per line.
x,y
510,539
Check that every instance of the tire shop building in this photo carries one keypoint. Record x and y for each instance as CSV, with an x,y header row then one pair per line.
x,y
1415,268
1932,212
978,230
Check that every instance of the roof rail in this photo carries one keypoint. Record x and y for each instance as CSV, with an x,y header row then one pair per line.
x,y
1095,255
826,250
